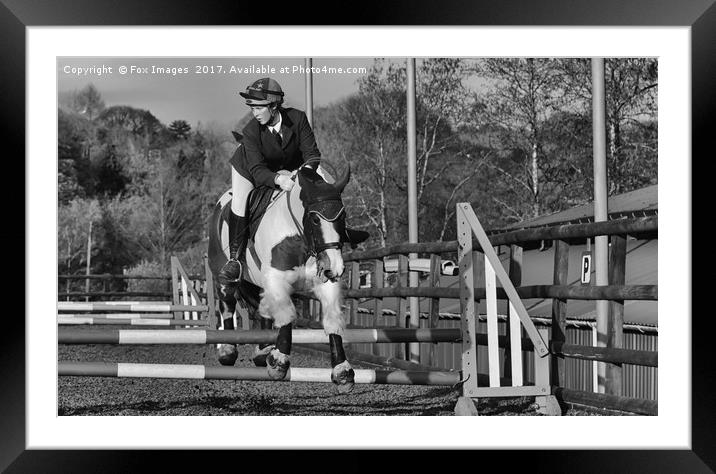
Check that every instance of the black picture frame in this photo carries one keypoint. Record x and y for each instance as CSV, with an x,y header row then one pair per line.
x,y
700,15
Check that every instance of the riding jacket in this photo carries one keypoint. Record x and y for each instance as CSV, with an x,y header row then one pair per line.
x,y
261,156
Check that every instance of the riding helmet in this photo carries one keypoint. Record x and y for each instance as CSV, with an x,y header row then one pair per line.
x,y
263,92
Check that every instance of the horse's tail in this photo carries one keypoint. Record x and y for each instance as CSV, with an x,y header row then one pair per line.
x,y
216,253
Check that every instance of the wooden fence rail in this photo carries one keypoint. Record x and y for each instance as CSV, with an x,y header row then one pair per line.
x,y
607,292
639,225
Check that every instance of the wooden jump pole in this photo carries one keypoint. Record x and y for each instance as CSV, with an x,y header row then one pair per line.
x,y
316,375
90,320
118,315
132,307
265,336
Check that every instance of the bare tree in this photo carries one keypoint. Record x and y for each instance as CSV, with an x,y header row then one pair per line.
x,y
631,86
520,96
369,131
74,220
88,102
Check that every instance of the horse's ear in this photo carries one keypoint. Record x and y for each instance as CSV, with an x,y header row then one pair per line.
x,y
341,183
355,237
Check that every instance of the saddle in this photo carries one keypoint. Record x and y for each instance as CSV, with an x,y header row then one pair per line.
x,y
259,199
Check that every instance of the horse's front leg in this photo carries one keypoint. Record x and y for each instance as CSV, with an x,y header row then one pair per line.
x,y
261,351
334,325
276,304
278,360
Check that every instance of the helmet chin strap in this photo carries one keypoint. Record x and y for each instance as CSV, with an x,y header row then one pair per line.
x,y
274,114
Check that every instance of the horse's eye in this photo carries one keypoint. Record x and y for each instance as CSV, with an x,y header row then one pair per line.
x,y
316,220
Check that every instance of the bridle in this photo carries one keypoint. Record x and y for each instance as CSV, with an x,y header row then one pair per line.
x,y
318,211
317,207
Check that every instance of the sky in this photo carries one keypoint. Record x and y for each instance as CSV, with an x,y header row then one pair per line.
x,y
205,89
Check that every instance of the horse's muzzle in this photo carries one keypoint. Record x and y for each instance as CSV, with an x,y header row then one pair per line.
x,y
328,269
329,276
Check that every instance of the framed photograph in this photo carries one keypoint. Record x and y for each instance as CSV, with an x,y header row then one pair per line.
x,y
183,70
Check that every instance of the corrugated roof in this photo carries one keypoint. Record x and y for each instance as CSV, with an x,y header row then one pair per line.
x,y
644,201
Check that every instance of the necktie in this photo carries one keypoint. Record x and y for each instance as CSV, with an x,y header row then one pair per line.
x,y
277,136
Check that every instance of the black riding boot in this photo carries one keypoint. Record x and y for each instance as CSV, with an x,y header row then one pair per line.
x,y
230,273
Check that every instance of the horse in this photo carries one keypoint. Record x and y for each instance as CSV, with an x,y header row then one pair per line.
x,y
296,247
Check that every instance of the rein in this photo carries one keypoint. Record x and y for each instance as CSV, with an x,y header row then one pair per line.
x,y
299,227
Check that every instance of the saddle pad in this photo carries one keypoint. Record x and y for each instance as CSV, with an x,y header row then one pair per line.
x,y
259,199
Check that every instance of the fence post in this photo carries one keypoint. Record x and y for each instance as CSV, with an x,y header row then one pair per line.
x,y
175,288
378,319
402,350
355,284
478,281
468,308
559,309
617,276
515,274
211,302
434,303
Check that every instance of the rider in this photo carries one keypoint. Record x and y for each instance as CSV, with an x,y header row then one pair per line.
x,y
278,139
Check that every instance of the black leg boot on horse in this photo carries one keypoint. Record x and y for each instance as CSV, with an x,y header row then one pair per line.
x,y
342,374
278,359
261,351
229,277
227,353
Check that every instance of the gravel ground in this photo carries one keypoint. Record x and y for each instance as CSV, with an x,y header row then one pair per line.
x,y
146,397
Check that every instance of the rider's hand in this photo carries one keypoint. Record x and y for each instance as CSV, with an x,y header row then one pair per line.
x,y
284,181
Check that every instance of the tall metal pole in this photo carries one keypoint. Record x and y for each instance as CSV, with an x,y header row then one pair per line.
x,y
412,203
309,91
601,247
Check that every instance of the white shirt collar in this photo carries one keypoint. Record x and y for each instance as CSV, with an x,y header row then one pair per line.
x,y
277,126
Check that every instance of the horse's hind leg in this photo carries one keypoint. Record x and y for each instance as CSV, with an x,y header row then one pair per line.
x,y
261,351
334,324
227,353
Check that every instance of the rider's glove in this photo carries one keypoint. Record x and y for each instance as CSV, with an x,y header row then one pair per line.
x,y
284,181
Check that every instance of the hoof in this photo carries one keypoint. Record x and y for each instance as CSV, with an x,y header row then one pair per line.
x,y
227,354
343,376
260,355
277,364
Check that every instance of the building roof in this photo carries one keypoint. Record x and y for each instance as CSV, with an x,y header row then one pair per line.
x,y
637,203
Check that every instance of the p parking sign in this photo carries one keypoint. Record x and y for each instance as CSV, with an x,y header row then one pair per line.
x,y
586,271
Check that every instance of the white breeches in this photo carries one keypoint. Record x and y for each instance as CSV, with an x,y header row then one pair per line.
x,y
240,189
